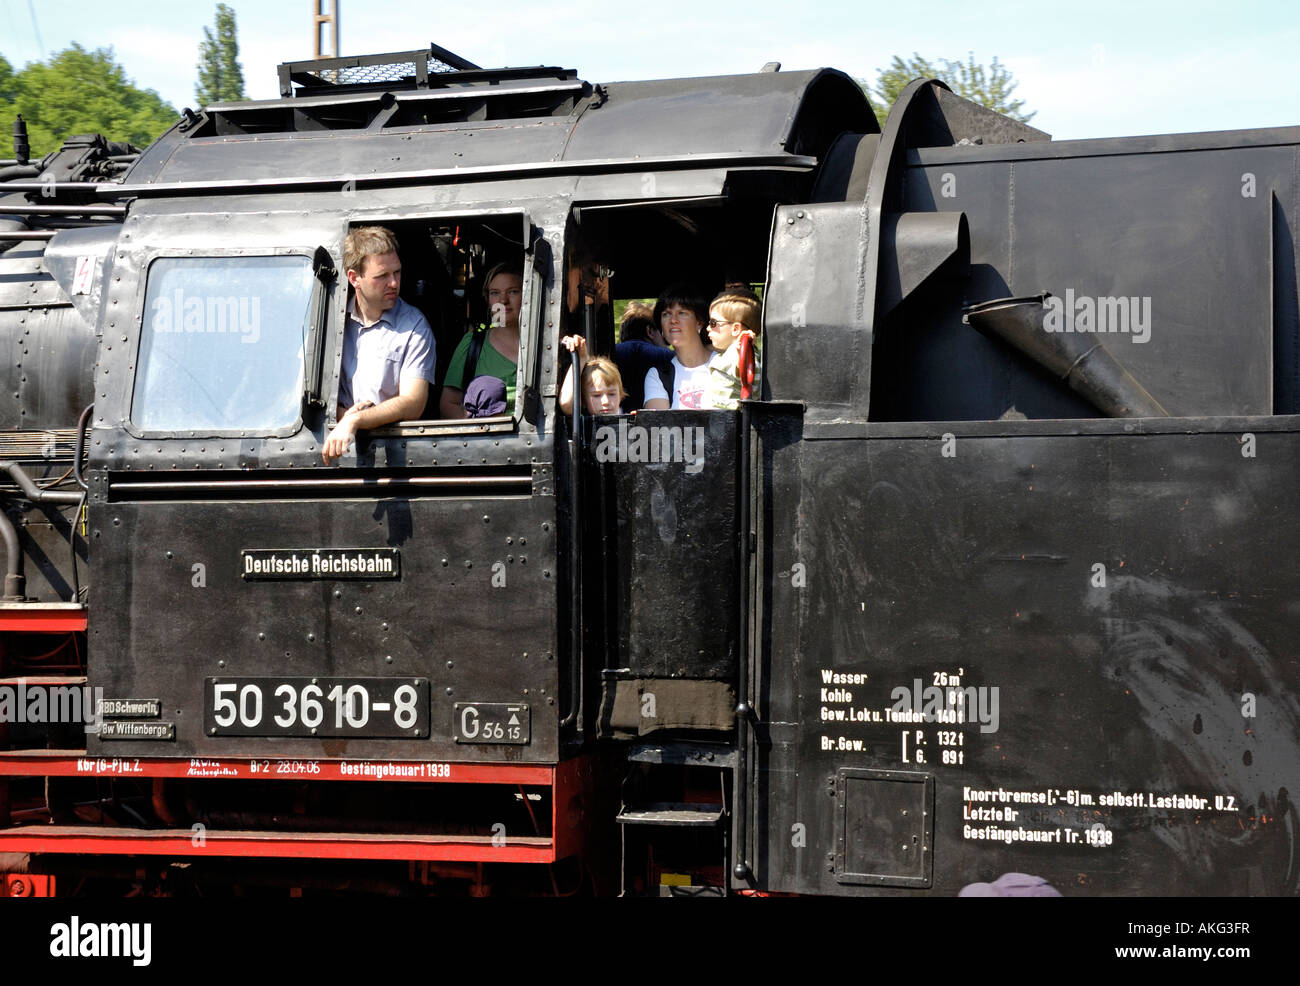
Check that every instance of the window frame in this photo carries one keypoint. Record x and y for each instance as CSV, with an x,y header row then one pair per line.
x,y
307,253
531,308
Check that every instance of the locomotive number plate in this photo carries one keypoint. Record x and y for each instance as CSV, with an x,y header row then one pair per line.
x,y
352,707
491,722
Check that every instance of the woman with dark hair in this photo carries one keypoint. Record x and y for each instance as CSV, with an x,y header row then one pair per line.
x,y
683,312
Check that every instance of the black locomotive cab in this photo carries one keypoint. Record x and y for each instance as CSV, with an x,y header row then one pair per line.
x,y
215,472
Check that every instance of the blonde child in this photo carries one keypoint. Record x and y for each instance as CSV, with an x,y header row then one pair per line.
x,y
732,314
602,384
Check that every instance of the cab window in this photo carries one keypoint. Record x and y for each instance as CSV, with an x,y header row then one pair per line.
x,y
447,266
222,341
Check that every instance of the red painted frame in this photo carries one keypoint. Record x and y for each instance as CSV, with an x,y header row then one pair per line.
x,y
75,763
568,781
57,618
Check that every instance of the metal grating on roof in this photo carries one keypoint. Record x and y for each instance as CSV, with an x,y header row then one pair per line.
x,y
387,72
362,74
364,71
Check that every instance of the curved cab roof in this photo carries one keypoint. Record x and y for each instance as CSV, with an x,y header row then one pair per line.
x,y
483,125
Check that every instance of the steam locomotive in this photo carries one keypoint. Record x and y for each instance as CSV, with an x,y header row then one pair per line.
x,y
991,574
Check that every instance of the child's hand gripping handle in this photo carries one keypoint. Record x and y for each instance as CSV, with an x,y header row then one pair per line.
x,y
746,368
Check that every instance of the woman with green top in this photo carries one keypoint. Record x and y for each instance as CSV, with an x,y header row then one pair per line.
x,y
497,345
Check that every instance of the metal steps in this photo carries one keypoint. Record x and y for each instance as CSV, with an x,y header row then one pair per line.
x,y
669,813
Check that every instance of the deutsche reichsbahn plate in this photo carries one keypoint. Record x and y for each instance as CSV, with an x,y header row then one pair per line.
x,y
351,707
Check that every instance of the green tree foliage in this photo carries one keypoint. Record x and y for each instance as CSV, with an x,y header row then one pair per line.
x,y
220,77
78,92
991,87
8,91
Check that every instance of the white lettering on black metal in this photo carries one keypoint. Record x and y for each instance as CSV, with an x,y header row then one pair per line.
x,y
319,563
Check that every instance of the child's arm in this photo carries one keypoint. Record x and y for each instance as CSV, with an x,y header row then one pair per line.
x,y
576,344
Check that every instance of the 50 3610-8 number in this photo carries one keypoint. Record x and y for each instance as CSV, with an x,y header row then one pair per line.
x,y
315,707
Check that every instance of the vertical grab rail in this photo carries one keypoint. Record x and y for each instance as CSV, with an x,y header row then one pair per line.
x,y
744,711
575,538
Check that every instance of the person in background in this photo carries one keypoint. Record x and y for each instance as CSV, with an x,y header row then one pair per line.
x,y
640,325
641,349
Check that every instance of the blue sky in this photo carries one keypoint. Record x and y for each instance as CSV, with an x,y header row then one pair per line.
x,y
1096,69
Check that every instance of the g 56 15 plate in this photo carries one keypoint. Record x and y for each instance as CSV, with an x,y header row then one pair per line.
x,y
491,722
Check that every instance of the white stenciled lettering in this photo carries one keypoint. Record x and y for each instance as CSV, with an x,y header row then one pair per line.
x,y
830,677
320,563
995,833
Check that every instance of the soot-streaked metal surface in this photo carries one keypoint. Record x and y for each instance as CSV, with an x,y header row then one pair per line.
x,y
675,542
1113,610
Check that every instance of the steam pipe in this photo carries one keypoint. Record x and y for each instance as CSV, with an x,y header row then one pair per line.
x,y
15,581
33,492
82,423
64,210
72,546
80,448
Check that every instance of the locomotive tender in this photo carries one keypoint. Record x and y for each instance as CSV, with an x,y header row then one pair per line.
x,y
991,575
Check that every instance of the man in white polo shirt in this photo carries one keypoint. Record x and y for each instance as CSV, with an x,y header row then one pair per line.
x,y
388,348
